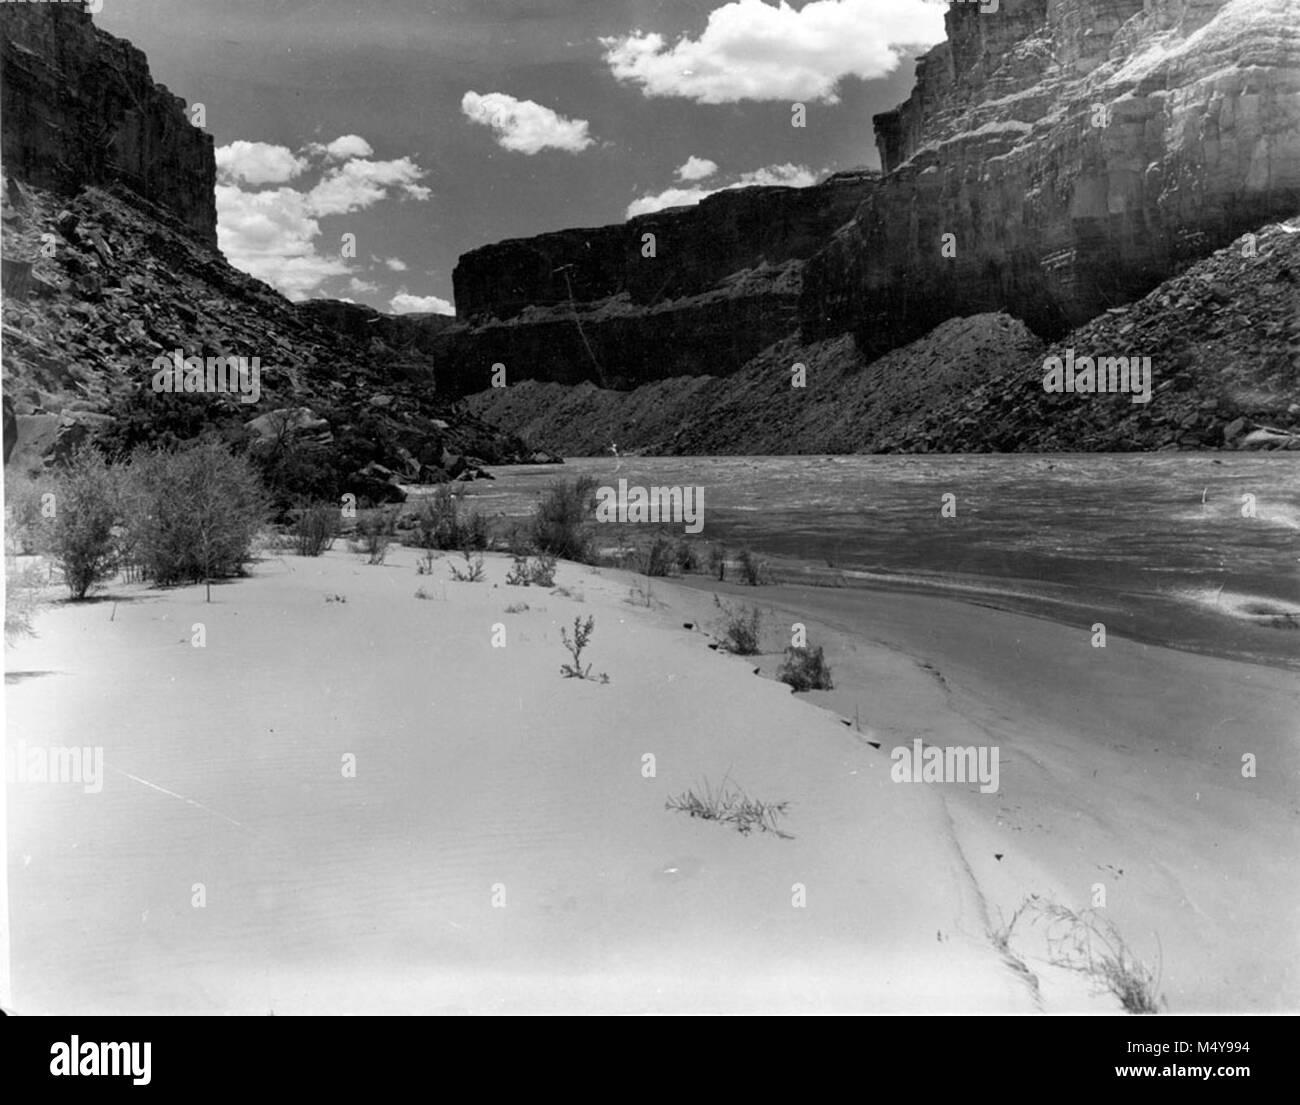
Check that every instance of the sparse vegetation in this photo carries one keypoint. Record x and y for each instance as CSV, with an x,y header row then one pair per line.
x,y
687,558
22,600
660,559
526,572
641,594
730,804
440,524
516,608
82,537
471,573
316,528
560,525
1089,943
753,571
805,669
424,566
581,636
375,530
741,628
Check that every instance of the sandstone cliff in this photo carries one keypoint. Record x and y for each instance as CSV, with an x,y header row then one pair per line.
x,y
1056,160
1078,152
81,109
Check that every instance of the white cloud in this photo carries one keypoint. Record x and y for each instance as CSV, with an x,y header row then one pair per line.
x,y
273,233
751,50
405,304
358,184
257,163
356,284
342,148
524,126
697,168
396,264
792,176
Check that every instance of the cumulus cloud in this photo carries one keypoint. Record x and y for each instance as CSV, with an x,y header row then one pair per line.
x,y
273,233
360,183
406,304
342,148
524,126
258,163
395,264
356,284
792,176
752,50
697,168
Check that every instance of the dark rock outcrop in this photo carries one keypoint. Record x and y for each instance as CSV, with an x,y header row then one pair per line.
x,y
80,108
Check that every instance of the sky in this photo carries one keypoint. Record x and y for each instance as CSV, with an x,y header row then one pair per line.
x,y
363,147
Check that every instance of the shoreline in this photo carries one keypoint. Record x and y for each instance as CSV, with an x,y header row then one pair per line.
x,y
619,904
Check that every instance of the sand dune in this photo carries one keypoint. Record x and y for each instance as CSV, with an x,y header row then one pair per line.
x,y
500,848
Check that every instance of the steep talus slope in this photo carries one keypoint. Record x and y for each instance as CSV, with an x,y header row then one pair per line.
x,y
1223,338
110,260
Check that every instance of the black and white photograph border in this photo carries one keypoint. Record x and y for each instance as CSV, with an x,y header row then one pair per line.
x,y
543,507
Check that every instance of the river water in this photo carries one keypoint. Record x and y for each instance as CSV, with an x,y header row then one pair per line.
x,y
1198,551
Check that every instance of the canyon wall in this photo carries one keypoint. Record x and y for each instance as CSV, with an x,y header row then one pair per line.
x,y
1069,154
80,108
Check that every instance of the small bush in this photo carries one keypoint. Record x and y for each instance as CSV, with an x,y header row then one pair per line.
x,y
560,523
661,558
82,540
731,805
193,514
22,600
526,573
741,629
687,558
375,530
805,669
581,636
26,528
752,570
718,562
439,523
316,528
472,572
516,608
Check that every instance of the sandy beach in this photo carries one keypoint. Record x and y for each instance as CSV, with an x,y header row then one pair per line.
x,y
365,806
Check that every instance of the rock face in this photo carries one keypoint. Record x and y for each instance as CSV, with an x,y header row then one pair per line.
x,y
1077,152
1056,159
1223,338
81,109
714,285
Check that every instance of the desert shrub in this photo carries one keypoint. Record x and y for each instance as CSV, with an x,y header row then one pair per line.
x,y
192,514
26,526
582,632
82,538
316,528
424,566
526,572
541,573
752,570
660,558
718,561
741,628
471,573
22,599
374,534
560,523
686,557
439,523
730,805
805,669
